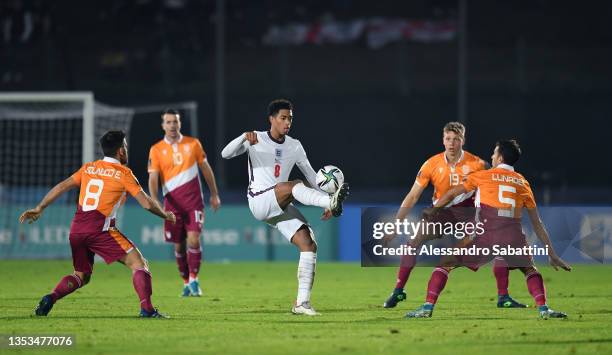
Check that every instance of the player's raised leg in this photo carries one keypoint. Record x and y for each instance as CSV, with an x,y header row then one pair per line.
x,y
286,192
502,275
194,260
141,278
306,270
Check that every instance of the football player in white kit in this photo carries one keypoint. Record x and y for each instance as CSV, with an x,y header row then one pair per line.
x,y
271,157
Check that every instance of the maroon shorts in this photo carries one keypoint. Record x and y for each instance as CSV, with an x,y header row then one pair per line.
x,y
111,245
461,212
502,238
455,215
191,221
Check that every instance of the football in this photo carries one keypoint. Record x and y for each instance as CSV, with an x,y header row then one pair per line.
x,y
329,178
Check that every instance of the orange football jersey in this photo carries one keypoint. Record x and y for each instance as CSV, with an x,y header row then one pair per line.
x,y
176,163
442,175
501,188
103,187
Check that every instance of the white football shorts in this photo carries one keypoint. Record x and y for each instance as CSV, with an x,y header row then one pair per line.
x,y
264,207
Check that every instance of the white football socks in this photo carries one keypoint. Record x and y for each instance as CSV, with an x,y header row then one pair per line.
x,y
305,275
310,197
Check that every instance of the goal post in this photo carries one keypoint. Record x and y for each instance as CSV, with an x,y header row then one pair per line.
x,y
84,97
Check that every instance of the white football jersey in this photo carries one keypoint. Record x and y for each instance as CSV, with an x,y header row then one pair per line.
x,y
270,161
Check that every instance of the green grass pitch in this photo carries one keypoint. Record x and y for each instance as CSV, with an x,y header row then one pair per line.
x,y
246,309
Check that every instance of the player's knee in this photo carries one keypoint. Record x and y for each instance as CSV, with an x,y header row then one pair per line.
x,y
179,248
308,246
526,270
285,188
304,241
141,263
418,240
295,182
193,241
311,245
136,261
84,277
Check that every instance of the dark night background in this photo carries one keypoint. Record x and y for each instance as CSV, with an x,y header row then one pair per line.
x,y
537,71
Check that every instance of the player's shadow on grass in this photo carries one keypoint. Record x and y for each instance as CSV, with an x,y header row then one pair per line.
x,y
50,318
466,318
346,310
258,311
598,311
284,311
321,319
568,342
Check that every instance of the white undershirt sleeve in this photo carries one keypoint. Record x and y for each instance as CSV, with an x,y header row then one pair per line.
x,y
235,148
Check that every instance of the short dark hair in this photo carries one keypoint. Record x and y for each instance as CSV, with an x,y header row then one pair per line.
x,y
171,111
509,149
111,141
279,104
456,127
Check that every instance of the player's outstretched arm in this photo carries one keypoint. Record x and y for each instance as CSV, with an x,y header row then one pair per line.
x,y
152,206
33,214
555,261
209,177
239,145
450,195
412,197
